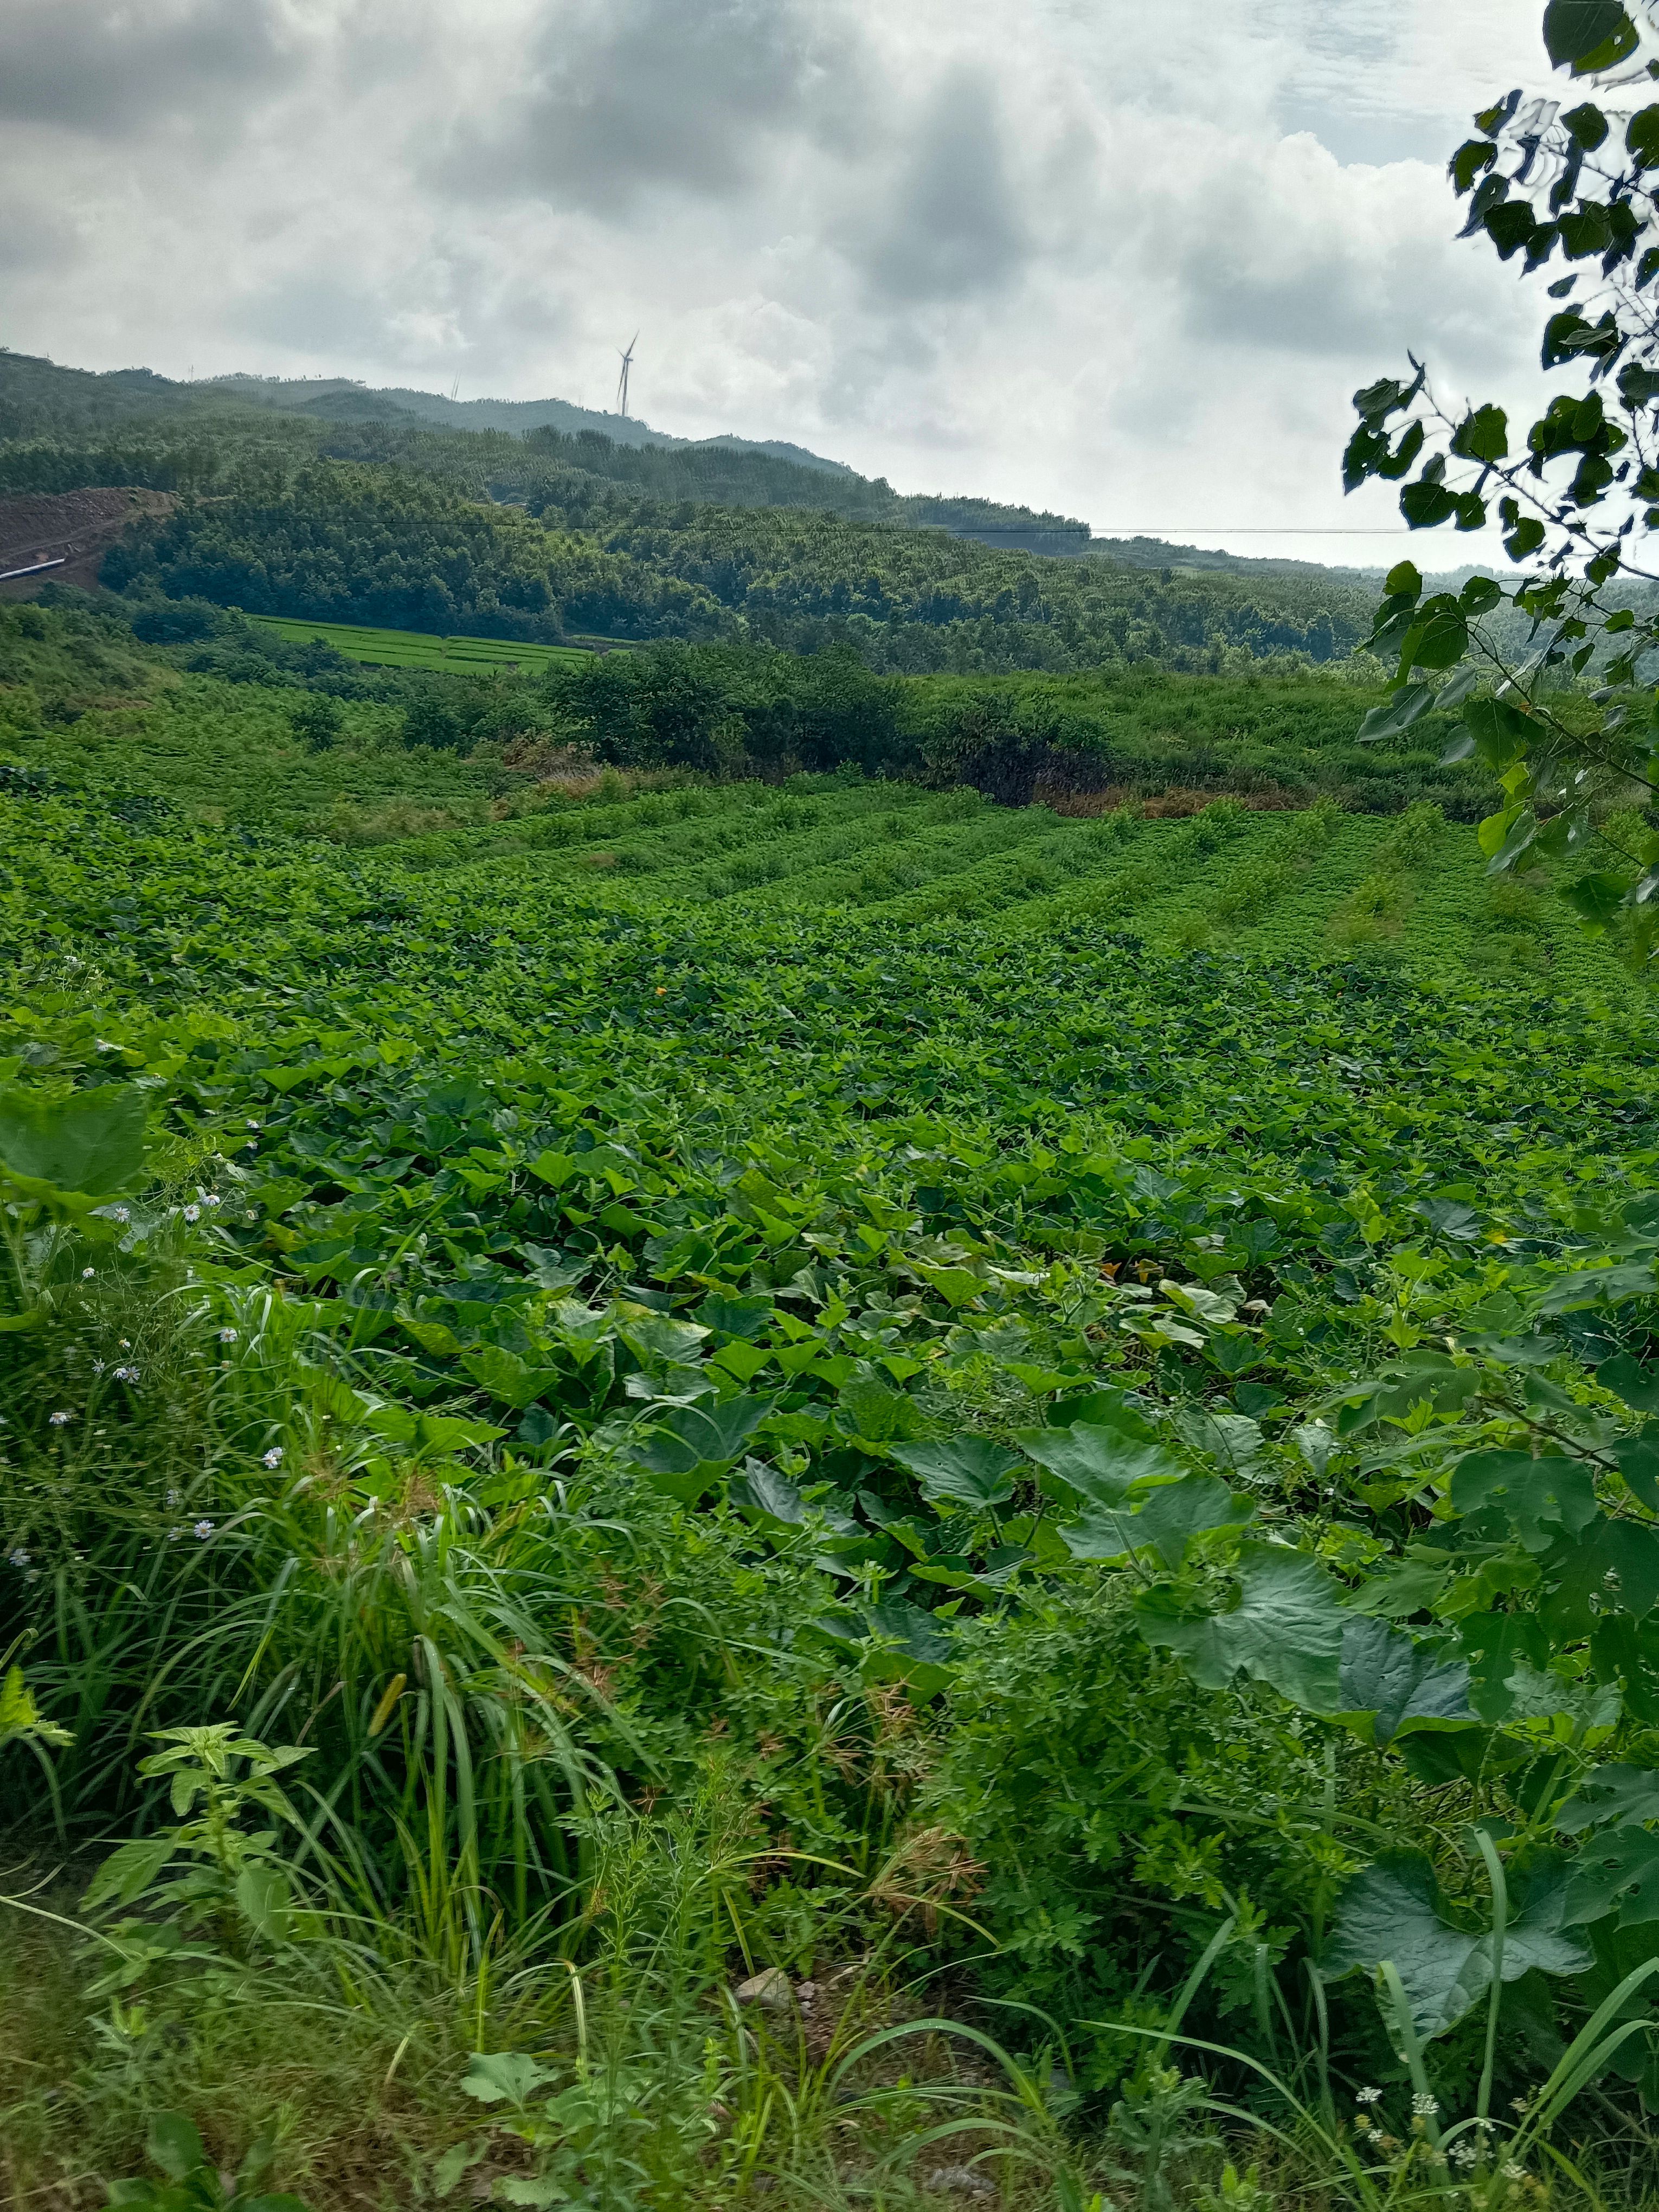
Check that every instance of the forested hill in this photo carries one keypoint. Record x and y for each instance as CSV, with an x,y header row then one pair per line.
x,y
341,542
507,449
395,521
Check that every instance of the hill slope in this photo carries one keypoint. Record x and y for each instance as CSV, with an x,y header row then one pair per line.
x,y
390,519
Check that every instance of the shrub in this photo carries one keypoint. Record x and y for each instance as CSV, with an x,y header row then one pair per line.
x,y
317,720
175,622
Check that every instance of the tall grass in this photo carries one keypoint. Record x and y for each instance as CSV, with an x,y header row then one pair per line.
x,y
219,1531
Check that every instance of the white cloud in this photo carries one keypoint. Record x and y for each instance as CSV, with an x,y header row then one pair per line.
x,y
1123,261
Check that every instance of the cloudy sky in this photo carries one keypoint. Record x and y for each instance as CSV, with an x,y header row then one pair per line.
x,y
1124,260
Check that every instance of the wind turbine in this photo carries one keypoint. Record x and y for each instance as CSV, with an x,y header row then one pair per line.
x,y
622,382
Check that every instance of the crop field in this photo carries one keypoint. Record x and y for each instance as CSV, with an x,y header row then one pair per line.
x,y
408,648
790,1428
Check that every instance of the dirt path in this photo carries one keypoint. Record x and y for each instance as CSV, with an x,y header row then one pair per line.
x,y
78,527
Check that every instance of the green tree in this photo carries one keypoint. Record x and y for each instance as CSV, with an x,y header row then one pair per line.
x,y
1570,725
317,720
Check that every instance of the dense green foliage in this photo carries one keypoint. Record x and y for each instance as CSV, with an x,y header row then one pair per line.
x,y
667,1378
342,542
683,1299
1281,738
1078,742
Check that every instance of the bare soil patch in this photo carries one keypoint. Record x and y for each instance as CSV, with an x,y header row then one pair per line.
x,y
77,527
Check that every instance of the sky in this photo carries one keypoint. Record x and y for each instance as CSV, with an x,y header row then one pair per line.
x,y
1127,261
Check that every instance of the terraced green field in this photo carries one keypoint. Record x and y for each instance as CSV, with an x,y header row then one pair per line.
x,y
408,648
922,1357
1266,885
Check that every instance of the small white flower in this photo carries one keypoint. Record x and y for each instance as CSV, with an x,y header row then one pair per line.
x,y
273,1456
175,1498
1424,2107
121,1213
173,1535
1367,2096
1512,2172
227,1336
1466,2153
211,1198
203,1530
126,1373
87,1273
61,1421
193,1213
18,1556
97,1366
253,1125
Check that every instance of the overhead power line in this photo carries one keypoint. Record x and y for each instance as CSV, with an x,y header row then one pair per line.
x,y
1169,530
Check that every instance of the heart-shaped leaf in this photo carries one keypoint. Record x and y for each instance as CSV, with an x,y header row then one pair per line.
x,y
1391,1685
687,1453
1100,1466
174,2145
505,1376
1172,1516
1285,1629
1574,30
967,1470
497,2077
91,1144
1393,1911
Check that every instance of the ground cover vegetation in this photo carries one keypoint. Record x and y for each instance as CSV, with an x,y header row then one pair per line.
x,y
404,648
813,1486
1081,744
714,1485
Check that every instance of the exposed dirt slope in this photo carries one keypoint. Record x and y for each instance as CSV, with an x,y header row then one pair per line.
x,y
77,526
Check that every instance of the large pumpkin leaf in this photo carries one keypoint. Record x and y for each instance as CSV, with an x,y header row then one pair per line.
x,y
1539,1497
1099,1462
910,1647
872,1409
514,1380
1172,1516
1615,1794
967,1470
686,1453
441,1433
1619,1873
1393,1910
1392,1685
91,1144
1286,1628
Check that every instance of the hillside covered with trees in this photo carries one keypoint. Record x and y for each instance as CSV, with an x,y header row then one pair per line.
x,y
393,522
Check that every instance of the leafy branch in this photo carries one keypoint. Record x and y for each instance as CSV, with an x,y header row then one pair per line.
x,y
1577,500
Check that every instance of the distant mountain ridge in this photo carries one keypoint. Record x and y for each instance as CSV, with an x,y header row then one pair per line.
x,y
322,501
343,399
40,399
340,398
